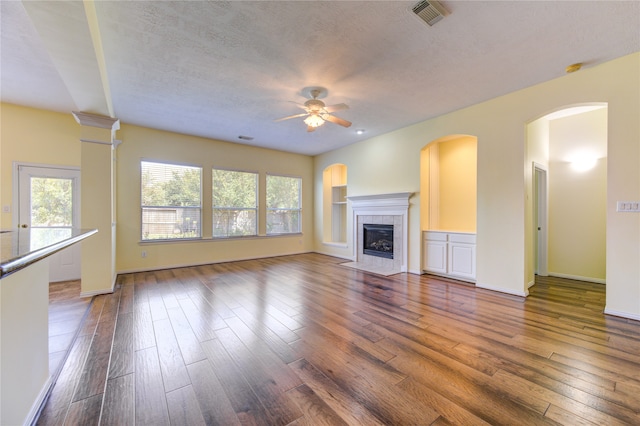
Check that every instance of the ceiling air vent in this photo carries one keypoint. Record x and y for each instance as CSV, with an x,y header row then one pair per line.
x,y
430,11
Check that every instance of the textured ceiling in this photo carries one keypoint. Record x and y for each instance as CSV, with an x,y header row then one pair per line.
x,y
225,69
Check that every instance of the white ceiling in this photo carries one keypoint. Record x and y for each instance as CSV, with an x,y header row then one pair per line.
x,y
225,69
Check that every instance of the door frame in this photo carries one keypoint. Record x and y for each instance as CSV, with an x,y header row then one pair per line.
x,y
540,212
56,272
15,198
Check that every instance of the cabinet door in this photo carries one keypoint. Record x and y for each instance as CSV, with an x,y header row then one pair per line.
x,y
435,256
462,260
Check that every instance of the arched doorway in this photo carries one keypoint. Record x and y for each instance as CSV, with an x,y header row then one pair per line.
x,y
565,175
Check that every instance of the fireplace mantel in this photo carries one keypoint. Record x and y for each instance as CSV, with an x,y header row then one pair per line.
x,y
396,199
390,208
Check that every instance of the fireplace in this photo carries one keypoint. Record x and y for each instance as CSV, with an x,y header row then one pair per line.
x,y
378,240
389,213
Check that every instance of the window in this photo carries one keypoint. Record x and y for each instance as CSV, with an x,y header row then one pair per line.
x,y
283,204
51,202
235,203
171,201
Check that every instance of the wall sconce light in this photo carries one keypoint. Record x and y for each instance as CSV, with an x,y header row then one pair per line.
x,y
583,162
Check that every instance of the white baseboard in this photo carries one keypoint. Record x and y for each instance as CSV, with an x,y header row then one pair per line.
x,y
621,314
449,277
523,293
210,262
349,258
38,404
99,292
531,283
577,277
95,292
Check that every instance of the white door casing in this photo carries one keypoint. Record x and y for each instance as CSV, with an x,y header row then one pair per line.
x,y
63,185
540,230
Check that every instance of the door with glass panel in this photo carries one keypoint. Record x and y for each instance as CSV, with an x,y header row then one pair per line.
x,y
49,202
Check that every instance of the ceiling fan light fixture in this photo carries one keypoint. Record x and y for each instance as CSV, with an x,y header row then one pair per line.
x,y
316,112
314,120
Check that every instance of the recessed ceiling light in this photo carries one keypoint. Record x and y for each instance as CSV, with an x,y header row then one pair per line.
x,y
359,131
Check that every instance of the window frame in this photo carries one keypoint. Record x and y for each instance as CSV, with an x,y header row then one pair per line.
x,y
143,207
269,209
256,208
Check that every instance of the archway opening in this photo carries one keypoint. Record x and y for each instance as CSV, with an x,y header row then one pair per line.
x,y
565,174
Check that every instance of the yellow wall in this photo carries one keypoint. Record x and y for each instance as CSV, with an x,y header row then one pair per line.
x,y
425,182
448,183
457,181
577,221
500,126
149,144
577,200
33,136
36,136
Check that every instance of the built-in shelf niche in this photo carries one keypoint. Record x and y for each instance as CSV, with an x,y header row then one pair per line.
x,y
335,204
449,184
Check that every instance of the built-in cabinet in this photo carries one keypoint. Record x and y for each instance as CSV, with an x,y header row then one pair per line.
x,y
451,254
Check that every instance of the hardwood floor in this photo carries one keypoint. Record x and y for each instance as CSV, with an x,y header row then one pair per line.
x,y
300,340
66,312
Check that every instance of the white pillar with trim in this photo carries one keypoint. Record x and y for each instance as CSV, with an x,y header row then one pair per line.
x,y
97,181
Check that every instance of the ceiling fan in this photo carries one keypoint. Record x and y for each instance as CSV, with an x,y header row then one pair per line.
x,y
316,112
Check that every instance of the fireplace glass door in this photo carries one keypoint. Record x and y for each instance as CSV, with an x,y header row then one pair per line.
x,y
378,240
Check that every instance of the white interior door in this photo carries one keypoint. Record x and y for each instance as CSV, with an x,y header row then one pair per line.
x,y
49,197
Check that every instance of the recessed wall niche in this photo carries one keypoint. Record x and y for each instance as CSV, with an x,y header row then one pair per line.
x,y
449,184
334,200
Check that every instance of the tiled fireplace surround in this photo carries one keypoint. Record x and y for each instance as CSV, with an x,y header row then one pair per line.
x,y
381,209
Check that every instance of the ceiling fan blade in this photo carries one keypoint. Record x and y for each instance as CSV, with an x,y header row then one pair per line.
x,y
336,107
292,116
311,129
299,105
336,120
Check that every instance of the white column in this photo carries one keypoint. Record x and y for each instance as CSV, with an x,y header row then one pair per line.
x,y
97,180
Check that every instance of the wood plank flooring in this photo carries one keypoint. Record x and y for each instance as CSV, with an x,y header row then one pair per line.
x,y
66,312
301,340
